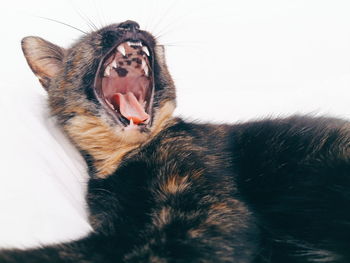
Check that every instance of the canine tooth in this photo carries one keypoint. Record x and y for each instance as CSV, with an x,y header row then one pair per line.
x,y
145,49
145,67
121,49
131,122
114,64
144,64
107,71
146,71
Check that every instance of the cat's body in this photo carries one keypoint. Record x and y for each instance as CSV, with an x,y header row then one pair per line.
x,y
170,191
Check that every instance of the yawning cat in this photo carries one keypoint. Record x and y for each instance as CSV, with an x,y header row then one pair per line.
x,y
163,190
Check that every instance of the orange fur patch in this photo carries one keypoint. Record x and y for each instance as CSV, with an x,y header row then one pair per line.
x,y
163,217
106,145
176,184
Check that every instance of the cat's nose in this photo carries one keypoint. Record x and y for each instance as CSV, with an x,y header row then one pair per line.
x,y
130,25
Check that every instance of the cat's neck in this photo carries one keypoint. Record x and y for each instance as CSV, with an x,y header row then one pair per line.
x,y
108,147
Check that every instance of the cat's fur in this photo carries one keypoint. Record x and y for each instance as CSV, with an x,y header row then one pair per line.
x,y
267,191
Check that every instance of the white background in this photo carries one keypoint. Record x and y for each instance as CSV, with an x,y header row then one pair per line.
x,y
231,60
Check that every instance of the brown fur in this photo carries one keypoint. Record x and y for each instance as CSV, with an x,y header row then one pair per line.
x,y
176,184
107,146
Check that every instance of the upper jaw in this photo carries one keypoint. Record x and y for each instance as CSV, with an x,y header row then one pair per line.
x,y
124,82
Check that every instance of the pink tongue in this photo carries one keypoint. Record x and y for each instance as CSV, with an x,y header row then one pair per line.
x,y
129,107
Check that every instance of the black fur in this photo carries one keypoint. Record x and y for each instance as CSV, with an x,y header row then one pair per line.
x,y
289,179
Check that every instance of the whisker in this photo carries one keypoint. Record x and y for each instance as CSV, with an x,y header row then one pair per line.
x,y
150,14
171,25
162,17
87,20
179,44
100,17
93,24
62,23
180,20
84,17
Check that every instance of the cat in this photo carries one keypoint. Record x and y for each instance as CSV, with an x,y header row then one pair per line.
x,y
165,190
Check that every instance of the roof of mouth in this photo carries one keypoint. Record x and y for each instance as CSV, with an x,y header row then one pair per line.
x,y
126,81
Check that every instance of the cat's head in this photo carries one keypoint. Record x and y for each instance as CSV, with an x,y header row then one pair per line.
x,y
110,91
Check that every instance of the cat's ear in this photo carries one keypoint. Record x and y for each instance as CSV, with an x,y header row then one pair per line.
x,y
44,58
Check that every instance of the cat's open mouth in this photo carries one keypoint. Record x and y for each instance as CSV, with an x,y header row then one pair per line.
x,y
124,83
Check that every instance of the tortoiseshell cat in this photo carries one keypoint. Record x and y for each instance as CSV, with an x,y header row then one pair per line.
x,y
163,190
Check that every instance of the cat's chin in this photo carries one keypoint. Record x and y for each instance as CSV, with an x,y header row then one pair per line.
x,y
124,84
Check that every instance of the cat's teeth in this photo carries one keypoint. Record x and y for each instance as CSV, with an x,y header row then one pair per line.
x,y
121,49
131,122
107,72
114,64
146,71
144,64
146,121
134,43
144,67
145,49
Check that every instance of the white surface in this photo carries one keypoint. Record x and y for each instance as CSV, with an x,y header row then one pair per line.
x,y
231,60
42,176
